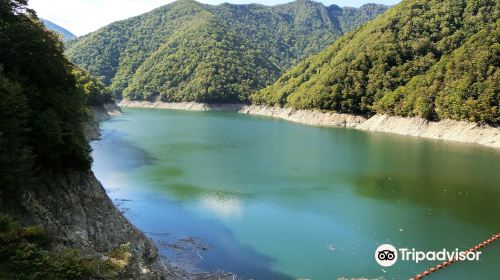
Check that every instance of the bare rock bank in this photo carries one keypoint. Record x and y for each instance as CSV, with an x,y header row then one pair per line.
x,y
461,131
190,106
97,115
106,111
76,212
450,130
307,117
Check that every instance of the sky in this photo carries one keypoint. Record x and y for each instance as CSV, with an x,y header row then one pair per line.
x,y
83,16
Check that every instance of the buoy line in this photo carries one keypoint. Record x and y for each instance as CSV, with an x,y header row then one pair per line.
x,y
451,261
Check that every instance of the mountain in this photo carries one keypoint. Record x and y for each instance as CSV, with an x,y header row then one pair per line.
x,y
67,36
433,59
188,51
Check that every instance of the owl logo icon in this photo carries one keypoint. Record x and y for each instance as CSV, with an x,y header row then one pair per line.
x,y
386,255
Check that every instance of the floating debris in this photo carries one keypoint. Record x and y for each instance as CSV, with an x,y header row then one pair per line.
x,y
121,199
158,233
429,212
331,247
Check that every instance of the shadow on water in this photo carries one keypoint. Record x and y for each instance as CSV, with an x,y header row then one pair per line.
x,y
195,243
117,154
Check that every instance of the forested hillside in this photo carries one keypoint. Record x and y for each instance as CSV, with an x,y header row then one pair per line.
x,y
51,205
433,59
187,51
42,110
66,35
42,107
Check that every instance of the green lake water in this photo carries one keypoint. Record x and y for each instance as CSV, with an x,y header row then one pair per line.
x,y
268,199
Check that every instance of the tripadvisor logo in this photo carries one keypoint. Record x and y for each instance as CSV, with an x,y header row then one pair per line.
x,y
387,255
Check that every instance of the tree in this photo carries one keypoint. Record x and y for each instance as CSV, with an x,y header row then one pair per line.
x,y
43,109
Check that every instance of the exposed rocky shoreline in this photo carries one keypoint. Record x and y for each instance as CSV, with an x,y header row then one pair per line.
x,y
76,212
191,106
97,115
450,130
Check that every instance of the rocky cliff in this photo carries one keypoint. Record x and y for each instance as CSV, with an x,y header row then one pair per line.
x,y
75,211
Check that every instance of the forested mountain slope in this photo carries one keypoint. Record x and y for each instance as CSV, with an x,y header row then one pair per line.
x,y
67,35
56,221
434,59
187,51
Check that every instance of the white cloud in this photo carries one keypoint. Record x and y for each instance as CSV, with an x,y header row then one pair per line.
x,y
222,207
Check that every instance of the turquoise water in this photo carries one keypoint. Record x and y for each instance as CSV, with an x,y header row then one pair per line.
x,y
268,199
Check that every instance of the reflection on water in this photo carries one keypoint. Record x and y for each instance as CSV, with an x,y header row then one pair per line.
x,y
222,207
269,200
460,199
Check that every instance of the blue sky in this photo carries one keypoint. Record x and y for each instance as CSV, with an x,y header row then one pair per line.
x,y
84,16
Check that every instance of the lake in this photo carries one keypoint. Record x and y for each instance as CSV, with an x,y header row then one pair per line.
x,y
269,199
